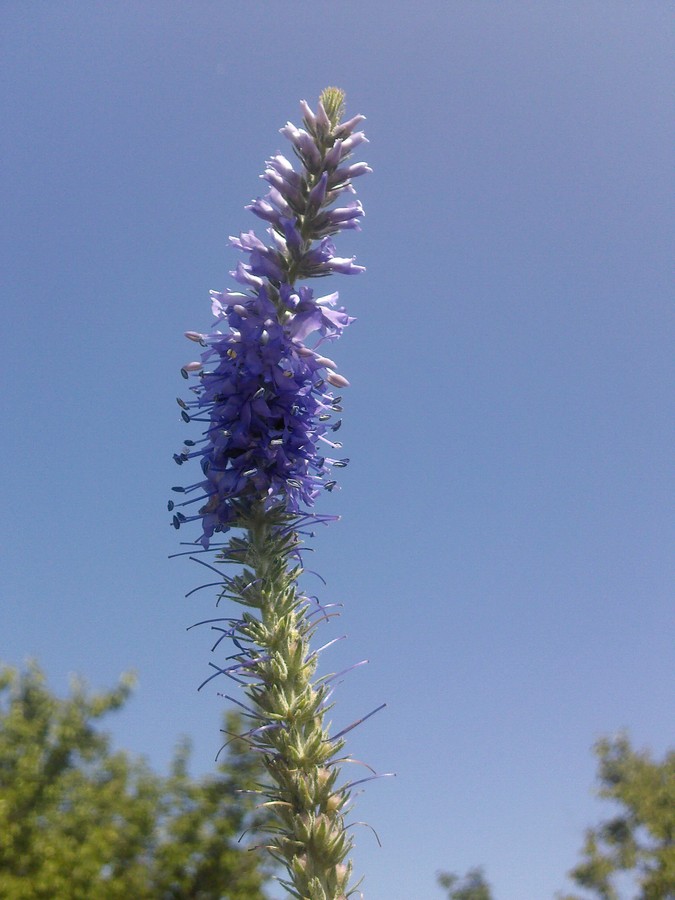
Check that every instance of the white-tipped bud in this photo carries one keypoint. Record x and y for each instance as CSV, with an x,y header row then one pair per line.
x,y
194,336
307,113
322,118
193,366
239,309
336,380
324,361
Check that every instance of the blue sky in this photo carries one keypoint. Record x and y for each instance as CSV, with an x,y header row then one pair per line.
x,y
506,519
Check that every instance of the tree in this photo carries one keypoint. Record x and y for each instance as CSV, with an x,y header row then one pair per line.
x,y
640,839
637,844
472,887
79,821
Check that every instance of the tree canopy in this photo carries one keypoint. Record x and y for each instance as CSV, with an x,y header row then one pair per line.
x,y
79,820
636,845
640,839
472,886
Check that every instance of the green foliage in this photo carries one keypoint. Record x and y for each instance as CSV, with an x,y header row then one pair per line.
x,y
472,887
637,844
640,839
78,820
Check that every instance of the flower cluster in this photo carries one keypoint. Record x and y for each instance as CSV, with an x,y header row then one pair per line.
x,y
265,394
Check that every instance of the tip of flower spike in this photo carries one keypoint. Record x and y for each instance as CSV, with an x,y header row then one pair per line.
x,y
333,101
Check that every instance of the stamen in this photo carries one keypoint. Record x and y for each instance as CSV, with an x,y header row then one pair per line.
x,y
358,722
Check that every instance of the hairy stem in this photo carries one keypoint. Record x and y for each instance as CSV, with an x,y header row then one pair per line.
x,y
310,838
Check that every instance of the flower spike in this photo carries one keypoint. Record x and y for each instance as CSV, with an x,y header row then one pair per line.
x,y
263,390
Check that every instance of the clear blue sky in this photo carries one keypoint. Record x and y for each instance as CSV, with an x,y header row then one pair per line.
x,y
503,555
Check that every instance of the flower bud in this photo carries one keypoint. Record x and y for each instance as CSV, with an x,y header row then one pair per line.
x,y
324,361
336,380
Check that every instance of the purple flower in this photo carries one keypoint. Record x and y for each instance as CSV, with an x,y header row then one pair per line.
x,y
263,394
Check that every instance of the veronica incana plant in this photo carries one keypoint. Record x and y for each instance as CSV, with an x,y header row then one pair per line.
x,y
264,393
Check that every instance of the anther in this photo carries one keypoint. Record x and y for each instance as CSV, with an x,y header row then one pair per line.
x,y
336,380
324,361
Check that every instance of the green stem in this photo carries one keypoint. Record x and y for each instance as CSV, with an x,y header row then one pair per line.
x,y
309,838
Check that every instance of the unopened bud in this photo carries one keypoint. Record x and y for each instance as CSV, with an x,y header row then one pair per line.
x,y
336,380
324,361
